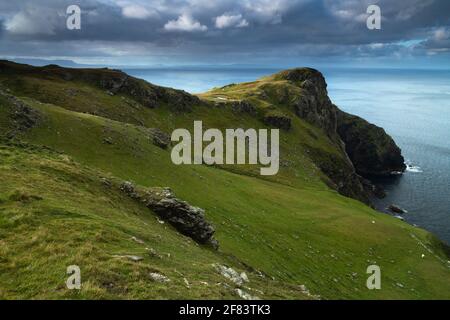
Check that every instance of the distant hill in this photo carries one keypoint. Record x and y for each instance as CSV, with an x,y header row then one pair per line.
x,y
44,62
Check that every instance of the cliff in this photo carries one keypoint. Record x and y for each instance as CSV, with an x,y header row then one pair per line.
x,y
372,151
364,149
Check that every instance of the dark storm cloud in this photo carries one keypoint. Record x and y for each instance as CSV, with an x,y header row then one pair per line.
x,y
228,27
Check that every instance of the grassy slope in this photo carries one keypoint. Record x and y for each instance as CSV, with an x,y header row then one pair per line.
x,y
55,213
297,231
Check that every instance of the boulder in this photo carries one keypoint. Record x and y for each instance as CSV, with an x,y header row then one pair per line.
x,y
237,278
160,138
157,277
245,295
396,209
129,189
187,219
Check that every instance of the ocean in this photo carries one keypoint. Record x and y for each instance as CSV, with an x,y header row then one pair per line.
x,y
413,106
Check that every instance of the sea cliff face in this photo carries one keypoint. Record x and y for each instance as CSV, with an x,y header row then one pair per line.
x,y
369,149
372,151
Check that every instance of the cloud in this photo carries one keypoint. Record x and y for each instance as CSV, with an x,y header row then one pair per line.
x,y
270,11
33,20
235,29
137,12
229,21
437,42
441,34
185,23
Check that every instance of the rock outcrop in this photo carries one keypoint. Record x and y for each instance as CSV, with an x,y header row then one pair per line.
x,y
313,104
243,107
372,151
160,138
368,150
240,106
278,120
187,219
23,116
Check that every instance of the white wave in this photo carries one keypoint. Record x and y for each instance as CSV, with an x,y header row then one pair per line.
x,y
412,168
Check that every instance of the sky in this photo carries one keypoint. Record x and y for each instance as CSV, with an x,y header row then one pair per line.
x,y
414,33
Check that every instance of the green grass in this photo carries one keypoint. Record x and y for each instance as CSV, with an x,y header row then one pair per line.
x,y
55,213
292,226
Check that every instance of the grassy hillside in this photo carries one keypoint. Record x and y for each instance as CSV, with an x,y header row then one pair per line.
x,y
292,227
56,213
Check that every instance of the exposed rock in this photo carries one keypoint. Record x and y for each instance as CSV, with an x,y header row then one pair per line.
x,y
378,191
341,173
231,274
157,277
244,277
185,218
279,121
300,75
369,151
129,189
107,140
152,252
372,151
130,257
135,258
313,105
23,116
373,189
243,106
167,193
160,138
396,209
148,94
245,295
137,240
186,282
